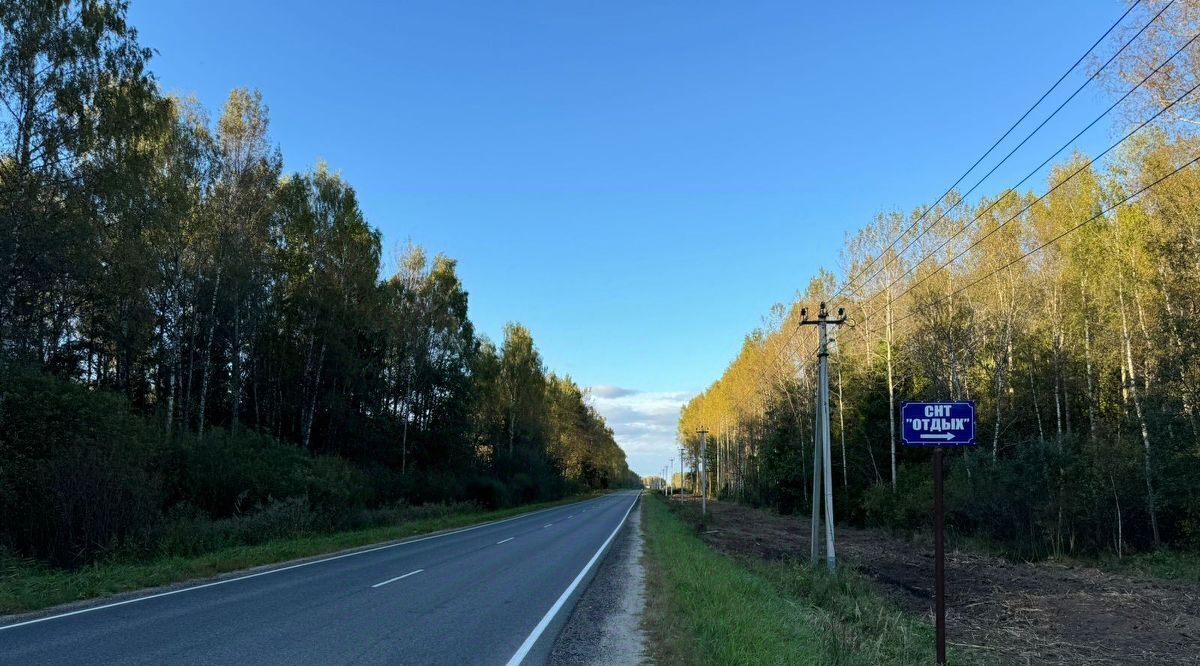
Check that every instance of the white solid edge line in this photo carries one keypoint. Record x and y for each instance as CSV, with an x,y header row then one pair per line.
x,y
519,656
287,568
505,541
392,580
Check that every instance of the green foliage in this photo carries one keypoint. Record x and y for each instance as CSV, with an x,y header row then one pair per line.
x,y
226,359
79,472
225,473
186,532
335,484
1081,357
27,584
908,506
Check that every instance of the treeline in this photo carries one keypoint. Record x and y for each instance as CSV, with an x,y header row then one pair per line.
x,y
188,333
1072,321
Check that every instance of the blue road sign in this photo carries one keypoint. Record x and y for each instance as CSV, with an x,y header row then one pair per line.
x,y
938,423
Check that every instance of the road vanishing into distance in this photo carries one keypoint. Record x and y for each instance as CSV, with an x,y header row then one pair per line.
x,y
493,593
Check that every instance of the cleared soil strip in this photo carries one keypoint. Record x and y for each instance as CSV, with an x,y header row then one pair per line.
x,y
1016,613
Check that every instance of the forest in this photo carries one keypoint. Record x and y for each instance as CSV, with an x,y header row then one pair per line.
x,y
192,338
1070,315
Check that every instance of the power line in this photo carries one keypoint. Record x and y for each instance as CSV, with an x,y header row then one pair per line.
x,y
1009,131
1055,239
1036,169
738,400
1011,152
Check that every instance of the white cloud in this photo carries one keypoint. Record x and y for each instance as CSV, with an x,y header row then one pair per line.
x,y
643,422
610,391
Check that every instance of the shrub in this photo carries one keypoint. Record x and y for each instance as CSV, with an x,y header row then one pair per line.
x,y
487,492
335,485
186,531
227,473
77,469
909,506
426,486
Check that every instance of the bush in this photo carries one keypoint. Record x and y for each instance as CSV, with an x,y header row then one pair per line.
x,y
423,487
335,485
187,532
83,476
487,492
909,506
77,469
226,473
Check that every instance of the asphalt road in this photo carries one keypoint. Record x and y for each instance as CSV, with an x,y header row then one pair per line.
x,y
495,593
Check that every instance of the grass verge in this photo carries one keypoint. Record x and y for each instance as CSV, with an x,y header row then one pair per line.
x,y
1165,564
27,585
706,608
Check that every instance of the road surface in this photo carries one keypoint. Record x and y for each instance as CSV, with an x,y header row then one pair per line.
x,y
494,593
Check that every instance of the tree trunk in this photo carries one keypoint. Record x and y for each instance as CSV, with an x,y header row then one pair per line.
x,y
1092,424
235,375
891,383
207,370
1037,412
841,429
1131,381
404,447
311,408
1187,393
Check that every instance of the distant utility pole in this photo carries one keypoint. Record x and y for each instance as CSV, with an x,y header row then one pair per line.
x,y
822,460
682,471
703,471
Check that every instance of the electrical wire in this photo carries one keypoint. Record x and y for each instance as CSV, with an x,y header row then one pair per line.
x,y
1030,205
1058,237
774,361
850,280
1037,169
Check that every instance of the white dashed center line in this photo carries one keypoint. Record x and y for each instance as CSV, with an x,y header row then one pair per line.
x,y
505,541
392,580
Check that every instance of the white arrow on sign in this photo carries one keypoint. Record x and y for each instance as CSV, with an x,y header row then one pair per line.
x,y
944,435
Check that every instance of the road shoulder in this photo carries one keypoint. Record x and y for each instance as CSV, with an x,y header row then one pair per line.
x,y
605,625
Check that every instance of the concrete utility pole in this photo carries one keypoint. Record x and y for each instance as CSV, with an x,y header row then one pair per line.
x,y
702,469
720,436
822,460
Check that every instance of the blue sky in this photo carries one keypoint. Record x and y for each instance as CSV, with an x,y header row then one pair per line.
x,y
637,182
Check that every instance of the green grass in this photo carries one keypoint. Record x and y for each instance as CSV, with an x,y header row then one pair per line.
x,y
706,608
1166,564
27,585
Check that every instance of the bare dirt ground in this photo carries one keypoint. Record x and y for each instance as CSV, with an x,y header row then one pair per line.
x,y
1016,613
